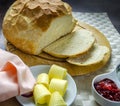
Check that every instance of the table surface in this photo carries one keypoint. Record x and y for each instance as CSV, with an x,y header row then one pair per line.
x,y
111,7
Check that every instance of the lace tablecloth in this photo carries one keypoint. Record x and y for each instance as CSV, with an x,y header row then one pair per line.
x,y
104,25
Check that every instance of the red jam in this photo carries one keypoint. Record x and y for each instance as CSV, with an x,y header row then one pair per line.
x,y
108,89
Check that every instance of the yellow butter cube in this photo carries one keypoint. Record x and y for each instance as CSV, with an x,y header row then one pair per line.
x,y
56,100
41,94
58,85
43,78
57,72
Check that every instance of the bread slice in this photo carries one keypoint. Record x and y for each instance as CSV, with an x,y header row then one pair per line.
x,y
94,56
13,49
75,43
31,25
49,57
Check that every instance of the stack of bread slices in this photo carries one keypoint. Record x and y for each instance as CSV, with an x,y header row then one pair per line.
x,y
47,28
78,47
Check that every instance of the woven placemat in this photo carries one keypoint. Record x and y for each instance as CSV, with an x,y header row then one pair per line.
x,y
104,25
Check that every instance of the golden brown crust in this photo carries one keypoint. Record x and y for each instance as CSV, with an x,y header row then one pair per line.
x,y
36,11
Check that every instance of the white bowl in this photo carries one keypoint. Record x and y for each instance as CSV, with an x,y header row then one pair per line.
x,y
69,95
99,98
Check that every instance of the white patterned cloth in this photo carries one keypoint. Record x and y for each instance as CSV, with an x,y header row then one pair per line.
x,y
104,25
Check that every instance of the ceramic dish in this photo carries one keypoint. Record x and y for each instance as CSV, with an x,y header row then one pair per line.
x,y
114,76
69,95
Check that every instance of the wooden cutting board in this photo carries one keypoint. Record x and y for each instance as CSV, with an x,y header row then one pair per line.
x,y
74,70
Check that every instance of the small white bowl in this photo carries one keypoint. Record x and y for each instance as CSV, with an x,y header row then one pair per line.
x,y
99,98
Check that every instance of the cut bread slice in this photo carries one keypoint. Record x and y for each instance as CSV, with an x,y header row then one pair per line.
x,y
13,49
75,43
94,56
49,57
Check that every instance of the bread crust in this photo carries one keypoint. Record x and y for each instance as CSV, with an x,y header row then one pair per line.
x,y
37,11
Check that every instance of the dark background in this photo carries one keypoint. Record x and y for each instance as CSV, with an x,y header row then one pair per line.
x,y
112,7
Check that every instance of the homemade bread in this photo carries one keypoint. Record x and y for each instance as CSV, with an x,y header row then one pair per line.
x,y
31,25
77,42
73,70
94,56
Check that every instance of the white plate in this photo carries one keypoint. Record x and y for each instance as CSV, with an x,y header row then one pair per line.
x,y
69,95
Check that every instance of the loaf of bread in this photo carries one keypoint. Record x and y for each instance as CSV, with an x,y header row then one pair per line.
x,y
76,66
31,25
95,55
77,42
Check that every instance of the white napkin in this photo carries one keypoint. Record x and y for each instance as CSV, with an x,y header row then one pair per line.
x,y
15,77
